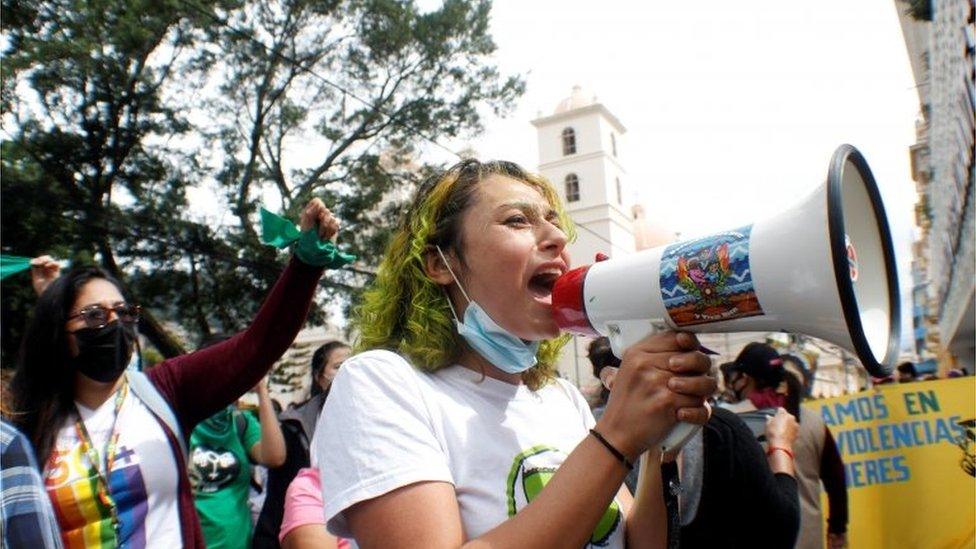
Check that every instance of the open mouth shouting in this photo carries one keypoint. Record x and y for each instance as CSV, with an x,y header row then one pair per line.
x,y
541,283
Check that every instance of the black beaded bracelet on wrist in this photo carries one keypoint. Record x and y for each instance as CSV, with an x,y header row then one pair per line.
x,y
616,453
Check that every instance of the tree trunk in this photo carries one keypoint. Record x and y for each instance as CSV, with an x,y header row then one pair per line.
x,y
201,319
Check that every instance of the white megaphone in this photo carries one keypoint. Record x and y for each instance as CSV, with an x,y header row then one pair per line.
x,y
825,268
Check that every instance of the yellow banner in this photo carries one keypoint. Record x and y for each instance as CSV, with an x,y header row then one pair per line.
x,y
908,452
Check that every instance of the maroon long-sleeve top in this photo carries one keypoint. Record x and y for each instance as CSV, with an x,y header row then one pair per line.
x,y
199,384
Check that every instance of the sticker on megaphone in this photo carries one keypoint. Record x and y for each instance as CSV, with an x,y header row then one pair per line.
x,y
708,279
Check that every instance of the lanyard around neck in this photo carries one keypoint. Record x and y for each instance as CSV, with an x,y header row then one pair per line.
x,y
88,448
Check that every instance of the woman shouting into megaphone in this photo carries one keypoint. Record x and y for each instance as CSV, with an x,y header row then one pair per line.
x,y
451,426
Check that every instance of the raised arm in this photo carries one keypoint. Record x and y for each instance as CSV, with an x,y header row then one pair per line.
x,y
781,431
270,450
200,383
777,494
44,270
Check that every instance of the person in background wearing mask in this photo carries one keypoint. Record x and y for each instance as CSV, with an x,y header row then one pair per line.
x,y
297,426
222,449
759,379
112,446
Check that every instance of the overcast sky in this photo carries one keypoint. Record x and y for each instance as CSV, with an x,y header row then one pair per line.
x,y
733,109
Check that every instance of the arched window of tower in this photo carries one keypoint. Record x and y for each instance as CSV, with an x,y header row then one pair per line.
x,y
620,194
569,141
572,188
613,144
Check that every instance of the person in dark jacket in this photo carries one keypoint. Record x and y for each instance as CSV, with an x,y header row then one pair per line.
x,y
733,496
760,377
297,426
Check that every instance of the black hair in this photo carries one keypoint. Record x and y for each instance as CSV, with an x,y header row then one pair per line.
x,y
601,355
727,369
794,394
807,379
42,388
320,359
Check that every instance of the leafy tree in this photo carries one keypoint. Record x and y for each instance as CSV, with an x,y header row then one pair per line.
x,y
112,109
290,374
365,86
81,103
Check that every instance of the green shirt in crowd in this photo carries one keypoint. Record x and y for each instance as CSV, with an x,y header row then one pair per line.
x,y
220,470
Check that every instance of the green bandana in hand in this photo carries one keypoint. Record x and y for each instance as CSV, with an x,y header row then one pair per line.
x,y
13,264
279,232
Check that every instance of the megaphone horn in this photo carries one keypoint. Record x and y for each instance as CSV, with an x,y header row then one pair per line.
x,y
824,268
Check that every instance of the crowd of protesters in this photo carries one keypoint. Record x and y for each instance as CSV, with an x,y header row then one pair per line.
x,y
443,425
111,444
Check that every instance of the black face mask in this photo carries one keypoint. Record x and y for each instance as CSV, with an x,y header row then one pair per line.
x,y
103,353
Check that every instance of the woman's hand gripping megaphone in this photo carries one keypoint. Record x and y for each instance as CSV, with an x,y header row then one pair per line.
x,y
662,379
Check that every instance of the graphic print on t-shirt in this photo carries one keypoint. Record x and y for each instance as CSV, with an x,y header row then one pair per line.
x,y
531,471
84,519
212,468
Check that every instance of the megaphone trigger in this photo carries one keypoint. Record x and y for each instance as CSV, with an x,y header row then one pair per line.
x,y
706,350
679,435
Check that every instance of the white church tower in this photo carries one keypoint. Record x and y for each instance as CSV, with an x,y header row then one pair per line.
x,y
578,153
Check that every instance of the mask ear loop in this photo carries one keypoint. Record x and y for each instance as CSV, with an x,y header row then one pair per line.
x,y
458,282
139,352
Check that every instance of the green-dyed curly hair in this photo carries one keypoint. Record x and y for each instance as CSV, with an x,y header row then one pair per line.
x,y
404,310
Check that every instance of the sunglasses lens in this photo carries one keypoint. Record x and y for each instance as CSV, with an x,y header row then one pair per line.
x,y
95,317
128,313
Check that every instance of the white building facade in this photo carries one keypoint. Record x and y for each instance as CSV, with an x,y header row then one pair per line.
x,y
941,44
579,152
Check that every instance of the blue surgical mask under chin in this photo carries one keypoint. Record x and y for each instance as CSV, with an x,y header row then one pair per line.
x,y
505,351
499,347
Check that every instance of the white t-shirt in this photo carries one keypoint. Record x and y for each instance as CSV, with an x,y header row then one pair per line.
x,y
386,425
143,481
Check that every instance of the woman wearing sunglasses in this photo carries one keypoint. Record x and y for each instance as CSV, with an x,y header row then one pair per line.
x,y
112,446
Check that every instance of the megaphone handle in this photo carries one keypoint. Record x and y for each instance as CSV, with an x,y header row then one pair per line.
x,y
680,434
624,334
